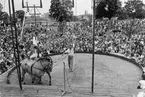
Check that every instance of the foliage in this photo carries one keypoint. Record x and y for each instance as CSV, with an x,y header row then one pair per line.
x,y
4,17
67,3
60,11
1,7
13,21
135,8
54,11
112,8
107,8
20,14
122,14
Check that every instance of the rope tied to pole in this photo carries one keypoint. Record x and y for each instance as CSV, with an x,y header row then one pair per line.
x,y
58,62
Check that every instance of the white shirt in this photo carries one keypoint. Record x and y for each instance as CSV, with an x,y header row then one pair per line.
x,y
142,42
141,94
143,69
33,55
142,84
35,42
70,51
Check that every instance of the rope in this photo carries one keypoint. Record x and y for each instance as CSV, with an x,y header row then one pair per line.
x,y
58,62
22,31
73,90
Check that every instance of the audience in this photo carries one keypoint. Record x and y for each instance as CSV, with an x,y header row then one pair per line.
x,y
110,37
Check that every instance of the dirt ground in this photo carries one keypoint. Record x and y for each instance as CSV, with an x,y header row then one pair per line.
x,y
113,76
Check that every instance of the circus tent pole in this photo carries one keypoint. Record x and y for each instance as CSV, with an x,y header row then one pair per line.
x,y
17,58
93,53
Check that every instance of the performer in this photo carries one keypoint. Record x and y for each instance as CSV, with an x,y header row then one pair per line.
x,y
35,39
70,52
36,44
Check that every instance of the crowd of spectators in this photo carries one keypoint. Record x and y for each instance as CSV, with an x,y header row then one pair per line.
x,y
110,37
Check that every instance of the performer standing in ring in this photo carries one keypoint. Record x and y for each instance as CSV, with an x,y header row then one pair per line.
x,y
70,52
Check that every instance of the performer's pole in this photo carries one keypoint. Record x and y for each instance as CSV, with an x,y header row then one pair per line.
x,y
64,75
17,45
93,55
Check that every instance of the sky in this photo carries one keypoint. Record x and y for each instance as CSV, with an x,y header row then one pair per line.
x,y
80,5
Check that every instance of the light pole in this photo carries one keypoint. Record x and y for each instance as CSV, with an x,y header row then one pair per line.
x,y
93,53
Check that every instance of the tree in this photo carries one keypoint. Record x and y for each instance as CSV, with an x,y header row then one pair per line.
x,y
1,7
13,21
60,11
54,10
122,14
135,8
5,17
107,8
20,15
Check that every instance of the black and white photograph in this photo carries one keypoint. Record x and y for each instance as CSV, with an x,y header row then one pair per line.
x,y
72,48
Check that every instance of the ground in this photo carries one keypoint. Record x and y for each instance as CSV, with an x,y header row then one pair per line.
x,y
113,78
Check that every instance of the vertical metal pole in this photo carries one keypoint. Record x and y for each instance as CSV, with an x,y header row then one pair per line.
x,y
64,74
35,14
93,55
64,78
17,48
12,33
40,3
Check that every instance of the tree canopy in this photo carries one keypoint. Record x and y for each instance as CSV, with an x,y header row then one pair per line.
x,y
107,8
4,17
135,8
20,14
113,8
1,7
60,11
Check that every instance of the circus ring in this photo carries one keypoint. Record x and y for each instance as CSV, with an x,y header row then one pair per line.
x,y
115,76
